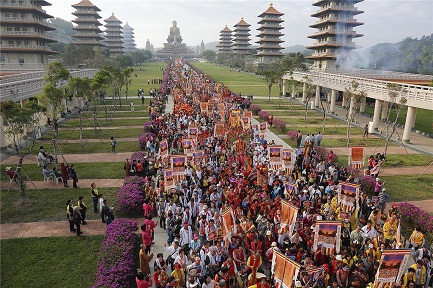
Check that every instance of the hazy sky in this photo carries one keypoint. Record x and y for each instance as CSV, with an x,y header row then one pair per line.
x,y
385,21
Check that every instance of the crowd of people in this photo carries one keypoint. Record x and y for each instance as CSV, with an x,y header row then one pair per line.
x,y
227,176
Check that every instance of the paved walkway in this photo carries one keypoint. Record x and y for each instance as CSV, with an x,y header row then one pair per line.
x,y
103,128
82,183
75,158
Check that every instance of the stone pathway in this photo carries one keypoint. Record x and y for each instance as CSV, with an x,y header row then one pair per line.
x,y
82,183
103,128
75,158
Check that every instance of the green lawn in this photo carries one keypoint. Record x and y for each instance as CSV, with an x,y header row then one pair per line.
x,y
396,160
48,204
104,123
92,134
408,188
98,170
49,262
90,147
237,81
329,131
423,122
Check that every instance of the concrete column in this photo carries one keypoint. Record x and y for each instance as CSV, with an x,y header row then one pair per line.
x,y
351,107
333,99
75,101
3,142
376,115
362,104
343,103
410,119
304,92
317,99
328,96
284,87
385,108
293,91
413,126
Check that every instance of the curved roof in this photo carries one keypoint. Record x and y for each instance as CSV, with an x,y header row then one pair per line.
x,y
271,10
112,18
226,29
242,23
85,3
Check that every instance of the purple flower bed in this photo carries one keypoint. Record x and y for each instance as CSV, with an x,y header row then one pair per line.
x,y
280,125
137,156
130,199
367,184
292,134
263,115
116,255
134,180
142,140
255,108
417,216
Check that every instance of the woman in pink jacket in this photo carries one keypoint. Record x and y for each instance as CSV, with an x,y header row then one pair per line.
x,y
146,235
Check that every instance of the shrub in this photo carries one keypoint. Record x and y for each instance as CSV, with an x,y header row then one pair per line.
x,y
142,140
280,125
263,115
416,216
130,199
116,255
325,152
134,180
367,184
139,155
292,134
255,108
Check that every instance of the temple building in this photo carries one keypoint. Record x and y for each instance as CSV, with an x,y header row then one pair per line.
x,y
270,36
334,36
128,39
23,34
87,29
113,35
174,46
241,37
202,47
226,43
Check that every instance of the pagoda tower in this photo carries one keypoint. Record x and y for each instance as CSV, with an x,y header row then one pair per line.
x,y
128,39
87,29
334,36
269,43
241,37
225,45
23,34
113,35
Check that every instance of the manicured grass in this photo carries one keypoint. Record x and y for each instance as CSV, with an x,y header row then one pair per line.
x,y
423,122
408,188
92,134
49,262
49,204
299,113
328,130
98,170
104,123
237,81
91,147
400,160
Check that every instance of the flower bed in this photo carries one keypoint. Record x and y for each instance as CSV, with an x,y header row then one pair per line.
x,y
137,156
255,109
134,180
130,199
292,135
142,140
280,125
416,216
263,115
116,255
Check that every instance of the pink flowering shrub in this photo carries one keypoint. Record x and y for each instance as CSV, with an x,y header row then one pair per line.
x,y
255,108
416,216
367,184
130,199
116,256
142,140
139,155
322,151
292,134
134,180
280,125
263,115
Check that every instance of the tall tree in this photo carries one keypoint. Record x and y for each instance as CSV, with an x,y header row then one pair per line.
x,y
20,120
397,102
53,92
353,96
127,75
310,88
208,55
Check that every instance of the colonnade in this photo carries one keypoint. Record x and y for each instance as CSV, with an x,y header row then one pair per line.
x,y
381,108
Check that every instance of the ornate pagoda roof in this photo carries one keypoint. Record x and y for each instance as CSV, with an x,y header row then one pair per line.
x,y
271,10
112,18
85,3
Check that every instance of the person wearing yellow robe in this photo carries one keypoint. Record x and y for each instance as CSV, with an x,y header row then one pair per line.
x,y
416,239
390,229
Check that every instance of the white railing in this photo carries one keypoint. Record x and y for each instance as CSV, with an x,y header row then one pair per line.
x,y
347,20
6,67
367,73
341,8
4,46
26,19
416,95
25,5
27,84
333,42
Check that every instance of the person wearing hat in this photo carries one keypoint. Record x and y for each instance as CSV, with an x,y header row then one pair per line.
x,y
195,269
298,284
195,244
185,234
178,274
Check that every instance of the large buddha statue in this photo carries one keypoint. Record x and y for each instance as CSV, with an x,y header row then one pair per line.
x,y
174,37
